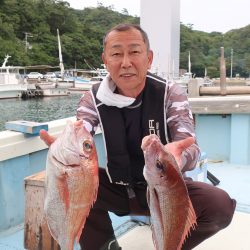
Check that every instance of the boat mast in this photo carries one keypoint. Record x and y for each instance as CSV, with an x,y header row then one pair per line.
x,y
5,61
60,56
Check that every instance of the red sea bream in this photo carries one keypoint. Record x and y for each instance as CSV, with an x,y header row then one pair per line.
x,y
171,210
71,183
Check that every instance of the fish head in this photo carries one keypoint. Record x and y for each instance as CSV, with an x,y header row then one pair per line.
x,y
87,150
157,159
74,145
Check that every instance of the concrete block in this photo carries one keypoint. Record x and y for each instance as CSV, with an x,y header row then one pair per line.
x,y
26,126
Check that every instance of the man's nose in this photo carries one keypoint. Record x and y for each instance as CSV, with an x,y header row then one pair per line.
x,y
126,61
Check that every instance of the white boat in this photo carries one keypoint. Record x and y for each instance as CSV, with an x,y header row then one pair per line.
x,y
11,82
56,92
53,88
83,84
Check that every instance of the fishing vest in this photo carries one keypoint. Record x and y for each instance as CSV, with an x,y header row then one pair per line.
x,y
153,121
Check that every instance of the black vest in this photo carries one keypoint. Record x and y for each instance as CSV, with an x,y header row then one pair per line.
x,y
153,121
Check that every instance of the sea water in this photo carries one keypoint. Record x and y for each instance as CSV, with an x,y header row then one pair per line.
x,y
38,109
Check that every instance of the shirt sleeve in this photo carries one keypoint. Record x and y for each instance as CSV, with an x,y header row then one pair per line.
x,y
86,111
180,123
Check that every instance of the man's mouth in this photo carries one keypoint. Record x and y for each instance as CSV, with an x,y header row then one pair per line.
x,y
127,75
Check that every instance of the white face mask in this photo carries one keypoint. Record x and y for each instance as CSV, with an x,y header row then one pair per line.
x,y
107,96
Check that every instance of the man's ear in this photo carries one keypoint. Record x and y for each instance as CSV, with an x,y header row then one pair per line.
x,y
103,58
150,58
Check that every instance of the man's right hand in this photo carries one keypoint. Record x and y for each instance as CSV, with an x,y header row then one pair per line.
x,y
48,139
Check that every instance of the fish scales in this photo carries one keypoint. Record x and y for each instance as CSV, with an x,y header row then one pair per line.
x,y
171,210
71,183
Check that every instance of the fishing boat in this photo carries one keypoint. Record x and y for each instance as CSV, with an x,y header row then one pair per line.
x,y
222,123
52,86
23,156
82,84
11,82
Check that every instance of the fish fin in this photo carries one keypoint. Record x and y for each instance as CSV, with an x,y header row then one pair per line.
x,y
153,237
62,185
154,198
96,185
80,230
190,223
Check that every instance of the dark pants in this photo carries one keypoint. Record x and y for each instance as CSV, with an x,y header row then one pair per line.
x,y
214,210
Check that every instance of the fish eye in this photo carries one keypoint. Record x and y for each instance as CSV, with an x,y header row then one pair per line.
x,y
159,165
87,145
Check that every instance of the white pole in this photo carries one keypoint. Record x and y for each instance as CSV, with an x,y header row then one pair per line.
x,y
189,62
60,55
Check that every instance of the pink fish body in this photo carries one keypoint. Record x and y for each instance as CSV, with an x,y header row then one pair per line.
x,y
71,183
171,210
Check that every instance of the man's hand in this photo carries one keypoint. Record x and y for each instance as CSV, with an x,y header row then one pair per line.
x,y
177,147
48,139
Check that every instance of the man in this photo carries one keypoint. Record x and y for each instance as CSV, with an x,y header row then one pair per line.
x,y
129,104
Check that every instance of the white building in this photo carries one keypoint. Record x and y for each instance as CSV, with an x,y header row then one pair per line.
x,y
161,20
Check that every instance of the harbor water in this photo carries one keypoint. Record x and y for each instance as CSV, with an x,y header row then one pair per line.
x,y
38,109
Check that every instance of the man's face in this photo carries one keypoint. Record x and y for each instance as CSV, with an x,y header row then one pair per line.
x,y
127,59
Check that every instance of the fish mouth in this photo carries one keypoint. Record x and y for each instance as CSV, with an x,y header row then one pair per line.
x,y
73,165
86,157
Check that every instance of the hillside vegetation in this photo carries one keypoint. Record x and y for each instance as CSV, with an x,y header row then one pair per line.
x,y
81,33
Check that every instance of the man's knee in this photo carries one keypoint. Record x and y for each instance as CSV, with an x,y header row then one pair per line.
x,y
224,217
111,245
228,215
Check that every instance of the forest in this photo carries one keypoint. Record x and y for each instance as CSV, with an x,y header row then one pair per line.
x,y
28,33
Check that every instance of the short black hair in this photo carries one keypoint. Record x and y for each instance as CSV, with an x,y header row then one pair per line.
x,y
127,26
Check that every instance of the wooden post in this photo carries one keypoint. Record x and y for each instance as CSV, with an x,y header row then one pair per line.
x,y
223,88
36,231
193,88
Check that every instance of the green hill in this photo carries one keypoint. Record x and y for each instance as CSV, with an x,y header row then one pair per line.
x,y
28,34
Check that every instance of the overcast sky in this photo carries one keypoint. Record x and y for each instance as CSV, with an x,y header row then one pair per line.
x,y
208,16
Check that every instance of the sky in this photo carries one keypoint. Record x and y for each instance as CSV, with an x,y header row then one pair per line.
x,y
208,16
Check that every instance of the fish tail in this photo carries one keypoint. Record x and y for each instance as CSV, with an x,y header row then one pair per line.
x,y
68,246
190,223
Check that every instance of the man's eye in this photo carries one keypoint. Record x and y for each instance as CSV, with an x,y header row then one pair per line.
x,y
116,54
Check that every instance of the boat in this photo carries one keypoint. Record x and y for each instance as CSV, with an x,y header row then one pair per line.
x,y
81,84
51,86
12,85
24,156
217,119
222,124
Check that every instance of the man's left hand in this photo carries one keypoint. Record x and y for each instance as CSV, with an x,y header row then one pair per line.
x,y
177,147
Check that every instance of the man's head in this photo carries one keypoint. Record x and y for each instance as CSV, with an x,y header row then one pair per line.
x,y
127,57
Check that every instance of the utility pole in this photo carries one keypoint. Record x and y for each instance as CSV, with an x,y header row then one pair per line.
x,y
232,51
27,46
